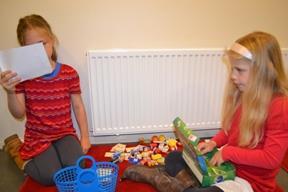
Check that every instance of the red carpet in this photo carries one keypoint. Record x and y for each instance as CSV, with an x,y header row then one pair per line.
x,y
285,162
97,152
122,186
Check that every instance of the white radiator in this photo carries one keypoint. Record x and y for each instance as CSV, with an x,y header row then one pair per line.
x,y
142,91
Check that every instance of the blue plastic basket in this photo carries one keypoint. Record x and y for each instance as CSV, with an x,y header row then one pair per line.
x,y
100,177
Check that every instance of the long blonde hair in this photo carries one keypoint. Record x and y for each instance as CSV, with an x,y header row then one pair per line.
x,y
35,21
267,78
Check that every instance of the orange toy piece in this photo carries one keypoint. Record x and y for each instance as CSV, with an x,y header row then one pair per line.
x,y
154,139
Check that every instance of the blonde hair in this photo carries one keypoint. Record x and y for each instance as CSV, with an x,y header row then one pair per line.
x,y
267,78
35,21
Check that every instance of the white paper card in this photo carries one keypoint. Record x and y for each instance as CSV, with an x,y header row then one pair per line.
x,y
28,62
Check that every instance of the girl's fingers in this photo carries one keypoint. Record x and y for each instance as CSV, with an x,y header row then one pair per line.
x,y
217,159
7,76
212,161
4,73
13,82
9,80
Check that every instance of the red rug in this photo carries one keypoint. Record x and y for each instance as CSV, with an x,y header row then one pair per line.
x,y
97,151
285,162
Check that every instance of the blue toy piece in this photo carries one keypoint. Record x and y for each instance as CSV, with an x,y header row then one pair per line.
x,y
100,177
202,164
116,155
133,160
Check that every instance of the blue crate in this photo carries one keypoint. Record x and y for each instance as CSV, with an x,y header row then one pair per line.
x,y
100,177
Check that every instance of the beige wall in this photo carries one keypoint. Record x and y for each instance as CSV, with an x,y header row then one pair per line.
x,y
106,24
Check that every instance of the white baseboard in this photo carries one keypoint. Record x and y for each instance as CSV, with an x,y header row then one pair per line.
x,y
135,137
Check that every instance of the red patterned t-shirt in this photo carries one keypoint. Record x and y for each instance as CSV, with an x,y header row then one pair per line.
x,y
48,108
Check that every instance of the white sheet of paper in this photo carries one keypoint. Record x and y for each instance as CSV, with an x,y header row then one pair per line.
x,y
28,62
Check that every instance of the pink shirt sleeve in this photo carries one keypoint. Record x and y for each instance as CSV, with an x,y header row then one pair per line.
x,y
220,138
270,153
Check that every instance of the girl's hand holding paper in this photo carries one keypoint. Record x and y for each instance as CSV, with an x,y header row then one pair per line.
x,y
9,80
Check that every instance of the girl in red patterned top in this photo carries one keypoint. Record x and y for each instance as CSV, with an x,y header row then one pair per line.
x,y
50,140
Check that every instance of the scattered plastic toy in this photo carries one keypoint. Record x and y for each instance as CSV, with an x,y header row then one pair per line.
x,y
148,152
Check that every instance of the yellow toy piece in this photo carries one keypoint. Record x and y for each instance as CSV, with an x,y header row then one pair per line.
x,y
162,138
152,163
172,143
156,156
161,161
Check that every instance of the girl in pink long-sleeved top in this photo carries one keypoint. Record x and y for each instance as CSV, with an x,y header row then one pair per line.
x,y
254,136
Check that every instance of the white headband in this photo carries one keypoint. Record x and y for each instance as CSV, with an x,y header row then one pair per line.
x,y
240,49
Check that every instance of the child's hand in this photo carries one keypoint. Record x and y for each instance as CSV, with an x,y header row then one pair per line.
x,y
205,147
85,143
9,80
217,159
